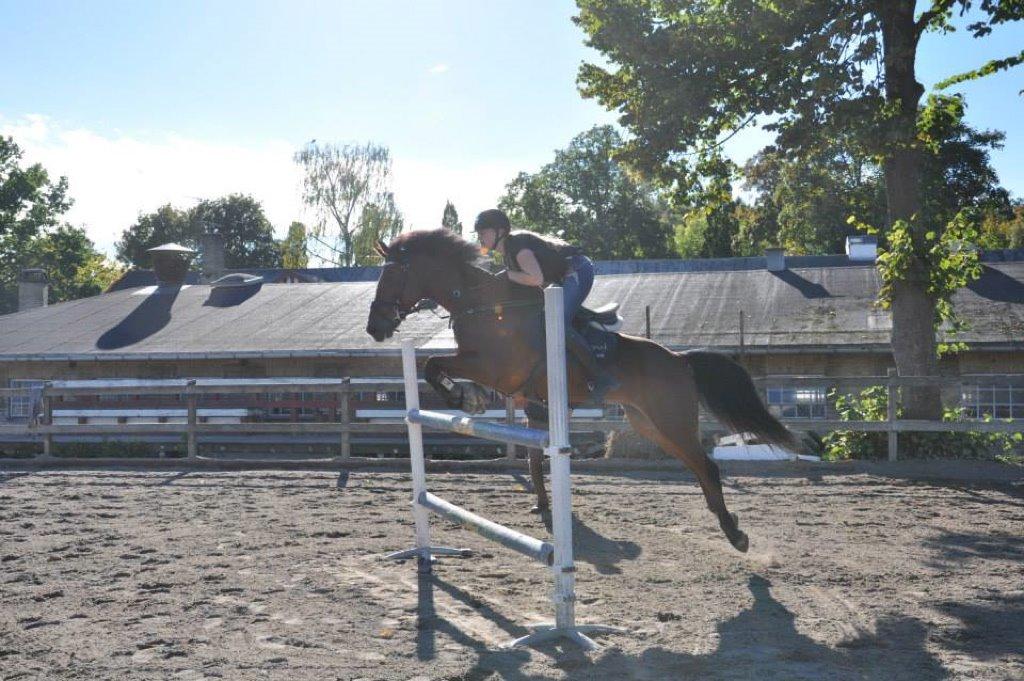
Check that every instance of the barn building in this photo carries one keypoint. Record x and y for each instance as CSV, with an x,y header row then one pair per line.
x,y
782,316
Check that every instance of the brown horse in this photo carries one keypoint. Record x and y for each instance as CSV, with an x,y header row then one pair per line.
x,y
499,330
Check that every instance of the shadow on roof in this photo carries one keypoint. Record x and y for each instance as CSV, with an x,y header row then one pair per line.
x,y
149,317
231,296
808,289
997,286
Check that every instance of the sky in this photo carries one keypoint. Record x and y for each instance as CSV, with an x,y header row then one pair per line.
x,y
146,103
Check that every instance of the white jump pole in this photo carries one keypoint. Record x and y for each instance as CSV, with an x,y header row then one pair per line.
x,y
559,451
556,445
423,550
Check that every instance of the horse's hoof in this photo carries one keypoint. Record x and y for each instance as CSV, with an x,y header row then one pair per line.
x,y
474,399
741,543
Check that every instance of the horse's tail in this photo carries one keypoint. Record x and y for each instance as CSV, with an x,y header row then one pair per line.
x,y
727,392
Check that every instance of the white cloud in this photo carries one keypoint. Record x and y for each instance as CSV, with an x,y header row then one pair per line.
x,y
113,176
438,69
423,186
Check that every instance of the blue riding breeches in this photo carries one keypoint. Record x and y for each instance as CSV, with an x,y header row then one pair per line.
x,y
576,285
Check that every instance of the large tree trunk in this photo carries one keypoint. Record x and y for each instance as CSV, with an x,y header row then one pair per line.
x,y
913,308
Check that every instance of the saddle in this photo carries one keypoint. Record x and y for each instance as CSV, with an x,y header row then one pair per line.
x,y
604,318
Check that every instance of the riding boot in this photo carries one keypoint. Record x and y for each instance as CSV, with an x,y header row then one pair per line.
x,y
600,381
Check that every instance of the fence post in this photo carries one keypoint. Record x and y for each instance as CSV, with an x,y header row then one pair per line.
x,y
346,420
193,419
510,420
47,421
647,322
891,416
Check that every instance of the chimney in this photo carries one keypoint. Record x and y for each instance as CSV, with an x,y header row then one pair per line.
x,y
211,249
861,248
775,259
170,262
33,289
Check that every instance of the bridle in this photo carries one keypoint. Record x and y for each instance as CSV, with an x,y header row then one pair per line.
x,y
393,311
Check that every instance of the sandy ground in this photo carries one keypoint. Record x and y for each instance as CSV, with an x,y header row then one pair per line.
x,y
278,575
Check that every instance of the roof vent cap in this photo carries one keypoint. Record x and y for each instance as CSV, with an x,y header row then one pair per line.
x,y
171,262
237,280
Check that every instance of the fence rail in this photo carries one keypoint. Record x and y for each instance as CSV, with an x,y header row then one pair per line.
x,y
192,389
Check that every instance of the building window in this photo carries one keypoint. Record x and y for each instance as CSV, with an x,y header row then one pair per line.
x,y
797,403
20,405
995,401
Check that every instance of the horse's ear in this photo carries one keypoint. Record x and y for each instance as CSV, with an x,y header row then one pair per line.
x,y
382,249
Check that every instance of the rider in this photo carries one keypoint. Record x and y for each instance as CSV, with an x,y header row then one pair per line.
x,y
538,260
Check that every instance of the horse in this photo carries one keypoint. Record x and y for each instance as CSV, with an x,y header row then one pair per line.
x,y
499,332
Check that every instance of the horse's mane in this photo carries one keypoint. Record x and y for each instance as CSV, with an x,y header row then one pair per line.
x,y
441,243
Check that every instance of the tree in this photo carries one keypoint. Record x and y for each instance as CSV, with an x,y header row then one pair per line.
x,y
709,232
244,229
340,182
165,225
685,75
1001,229
450,218
588,198
294,249
247,235
30,202
381,221
805,200
74,267
809,200
32,234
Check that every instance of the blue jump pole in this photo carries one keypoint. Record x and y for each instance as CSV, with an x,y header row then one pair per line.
x,y
485,430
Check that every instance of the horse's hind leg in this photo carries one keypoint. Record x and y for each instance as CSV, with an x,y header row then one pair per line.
x,y
680,438
536,417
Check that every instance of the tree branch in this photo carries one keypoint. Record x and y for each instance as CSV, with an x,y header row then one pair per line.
x,y
939,8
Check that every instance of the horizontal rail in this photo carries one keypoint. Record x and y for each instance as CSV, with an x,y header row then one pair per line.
x,y
217,386
495,428
861,382
540,551
486,430
220,386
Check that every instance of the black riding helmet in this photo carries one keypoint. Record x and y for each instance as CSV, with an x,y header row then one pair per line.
x,y
492,218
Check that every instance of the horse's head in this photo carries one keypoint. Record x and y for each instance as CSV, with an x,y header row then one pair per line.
x,y
417,266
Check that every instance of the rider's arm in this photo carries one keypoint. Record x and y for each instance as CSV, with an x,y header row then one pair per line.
x,y
531,274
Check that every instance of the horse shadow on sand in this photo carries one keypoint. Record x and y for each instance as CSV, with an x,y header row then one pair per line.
x,y
991,625
589,546
761,642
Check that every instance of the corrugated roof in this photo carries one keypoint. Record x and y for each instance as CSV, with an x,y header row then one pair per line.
x,y
816,307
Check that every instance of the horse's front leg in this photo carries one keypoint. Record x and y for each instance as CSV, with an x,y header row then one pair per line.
x,y
440,372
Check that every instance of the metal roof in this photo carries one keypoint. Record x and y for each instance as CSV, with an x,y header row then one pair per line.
x,y
822,308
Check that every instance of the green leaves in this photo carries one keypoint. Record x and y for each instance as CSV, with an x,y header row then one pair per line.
x,y
586,195
293,247
245,231
32,207
986,69
950,261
